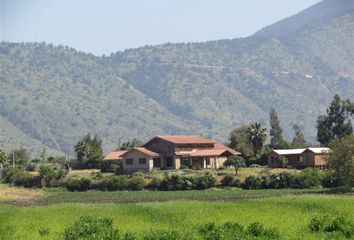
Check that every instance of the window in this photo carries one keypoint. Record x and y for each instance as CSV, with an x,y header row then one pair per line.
x,y
207,161
142,160
157,162
129,161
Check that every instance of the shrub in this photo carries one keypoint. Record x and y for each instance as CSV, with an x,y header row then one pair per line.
x,y
283,180
311,177
329,180
43,231
25,179
51,177
184,167
327,223
136,183
91,228
252,182
154,183
78,185
8,174
230,181
205,182
235,231
256,229
161,235
174,183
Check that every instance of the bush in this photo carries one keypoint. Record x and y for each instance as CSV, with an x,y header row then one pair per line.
x,y
283,180
136,183
205,182
327,223
310,178
235,231
26,179
176,183
252,182
8,174
51,177
154,183
91,228
230,181
329,180
78,185
161,235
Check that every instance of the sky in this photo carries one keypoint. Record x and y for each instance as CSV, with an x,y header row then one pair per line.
x,y
106,26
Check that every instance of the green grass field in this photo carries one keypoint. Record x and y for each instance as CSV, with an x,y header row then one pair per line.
x,y
285,210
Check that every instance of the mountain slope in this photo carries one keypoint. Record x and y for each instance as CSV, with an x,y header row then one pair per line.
x,y
56,94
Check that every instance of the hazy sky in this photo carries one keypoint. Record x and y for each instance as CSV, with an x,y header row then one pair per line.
x,y
106,26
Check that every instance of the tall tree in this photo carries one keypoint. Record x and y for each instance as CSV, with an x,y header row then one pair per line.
x,y
21,155
299,139
89,151
130,144
235,161
276,132
341,160
238,140
3,159
256,136
336,123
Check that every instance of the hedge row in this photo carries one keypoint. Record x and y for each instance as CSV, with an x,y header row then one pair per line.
x,y
102,228
137,182
308,178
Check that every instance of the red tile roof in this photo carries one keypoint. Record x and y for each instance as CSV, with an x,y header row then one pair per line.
x,y
185,139
115,155
221,146
208,152
144,151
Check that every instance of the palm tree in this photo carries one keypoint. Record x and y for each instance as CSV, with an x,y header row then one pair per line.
x,y
256,136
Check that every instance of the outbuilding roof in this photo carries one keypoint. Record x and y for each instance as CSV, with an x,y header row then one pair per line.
x,y
289,151
144,151
115,155
316,150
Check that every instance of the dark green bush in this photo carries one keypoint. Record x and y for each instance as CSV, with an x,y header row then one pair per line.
x,y
283,180
252,182
205,182
90,228
25,179
329,180
230,181
136,183
235,231
51,177
310,178
327,224
162,235
78,185
8,174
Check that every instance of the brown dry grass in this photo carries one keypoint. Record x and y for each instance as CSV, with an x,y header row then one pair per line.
x,y
18,194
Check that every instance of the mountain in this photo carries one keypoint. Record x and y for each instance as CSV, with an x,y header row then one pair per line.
x,y
55,94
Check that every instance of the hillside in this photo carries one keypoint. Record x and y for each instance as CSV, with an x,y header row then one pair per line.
x,y
54,94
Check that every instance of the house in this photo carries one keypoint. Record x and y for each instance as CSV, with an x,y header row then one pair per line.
x,y
114,156
299,158
172,151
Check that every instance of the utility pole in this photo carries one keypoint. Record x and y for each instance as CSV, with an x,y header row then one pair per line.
x,y
13,154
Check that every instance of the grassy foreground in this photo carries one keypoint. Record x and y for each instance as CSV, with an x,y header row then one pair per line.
x,y
290,214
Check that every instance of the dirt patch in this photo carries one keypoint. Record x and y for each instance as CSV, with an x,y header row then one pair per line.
x,y
13,194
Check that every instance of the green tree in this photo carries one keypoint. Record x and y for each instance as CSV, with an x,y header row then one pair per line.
x,y
130,144
276,132
235,161
43,155
3,159
256,136
299,139
336,123
21,155
341,160
89,151
238,140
